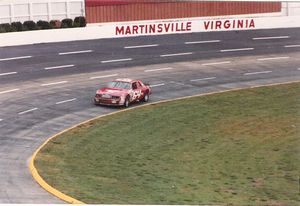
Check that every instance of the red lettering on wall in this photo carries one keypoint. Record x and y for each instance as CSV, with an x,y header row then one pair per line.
x,y
135,29
252,25
177,27
152,28
159,28
189,26
119,30
128,30
218,24
240,24
167,27
227,24
142,28
206,24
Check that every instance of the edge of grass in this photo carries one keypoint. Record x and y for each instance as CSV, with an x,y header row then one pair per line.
x,y
35,174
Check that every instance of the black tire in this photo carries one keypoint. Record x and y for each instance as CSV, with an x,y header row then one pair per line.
x,y
94,101
146,97
127,102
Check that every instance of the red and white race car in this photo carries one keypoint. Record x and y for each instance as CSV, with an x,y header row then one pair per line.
x,y
122,92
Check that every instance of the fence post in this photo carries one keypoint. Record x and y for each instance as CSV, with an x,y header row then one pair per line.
x,y
30,11
12,13
49,11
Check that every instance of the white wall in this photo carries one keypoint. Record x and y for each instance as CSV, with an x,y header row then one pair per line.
x,y
109,30
23,10
291,8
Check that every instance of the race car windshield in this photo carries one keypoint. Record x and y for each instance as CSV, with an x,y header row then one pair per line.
x,y
119,85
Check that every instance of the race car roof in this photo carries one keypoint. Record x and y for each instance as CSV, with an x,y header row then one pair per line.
x,y
125,80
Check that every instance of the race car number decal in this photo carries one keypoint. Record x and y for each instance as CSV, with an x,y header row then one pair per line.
x,y
137,94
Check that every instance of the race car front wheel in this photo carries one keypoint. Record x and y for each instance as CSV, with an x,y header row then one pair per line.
x,y
126,103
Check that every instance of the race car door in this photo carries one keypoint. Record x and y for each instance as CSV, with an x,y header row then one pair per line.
x,y
137,91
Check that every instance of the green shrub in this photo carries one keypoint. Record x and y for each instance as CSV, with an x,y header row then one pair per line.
x,y
43,24
29,25
55,24
67,23
17,26
79,21
2,30
8,28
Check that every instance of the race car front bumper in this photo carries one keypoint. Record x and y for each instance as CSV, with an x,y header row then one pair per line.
x,y
109,102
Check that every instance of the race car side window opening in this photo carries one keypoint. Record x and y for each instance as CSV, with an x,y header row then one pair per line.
x,y
139,84
134,85
119,85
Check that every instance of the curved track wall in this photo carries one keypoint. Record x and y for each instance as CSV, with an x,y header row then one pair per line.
x,y
98,11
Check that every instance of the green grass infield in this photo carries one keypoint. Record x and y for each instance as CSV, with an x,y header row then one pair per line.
x,y
239,148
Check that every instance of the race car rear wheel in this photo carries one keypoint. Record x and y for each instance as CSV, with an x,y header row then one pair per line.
x,y
146,97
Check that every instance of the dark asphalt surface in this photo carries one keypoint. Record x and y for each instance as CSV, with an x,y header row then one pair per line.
x,y
36,103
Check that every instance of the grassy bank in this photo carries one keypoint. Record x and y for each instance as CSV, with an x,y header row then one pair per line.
x,y
240,148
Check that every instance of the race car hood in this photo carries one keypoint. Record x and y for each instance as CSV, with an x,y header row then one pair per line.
x,y
112,91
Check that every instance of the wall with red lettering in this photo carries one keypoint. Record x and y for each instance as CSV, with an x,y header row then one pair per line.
x,y
98,11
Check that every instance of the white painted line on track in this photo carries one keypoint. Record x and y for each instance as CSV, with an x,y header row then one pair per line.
x,y
298,69
116,60
255,73
8,73
141,46
8,91
1,120
155,70
27,111
233,50
54,83
271,37
104,76
66,101
203,79
178,83
178,54
60,67
157,85
292,46
203,42
15,58
272,58
75,52
216,63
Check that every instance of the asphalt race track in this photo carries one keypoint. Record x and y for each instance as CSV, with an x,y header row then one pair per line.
x,y
46,88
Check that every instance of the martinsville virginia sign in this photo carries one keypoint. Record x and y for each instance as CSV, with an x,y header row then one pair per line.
x,y
184,26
